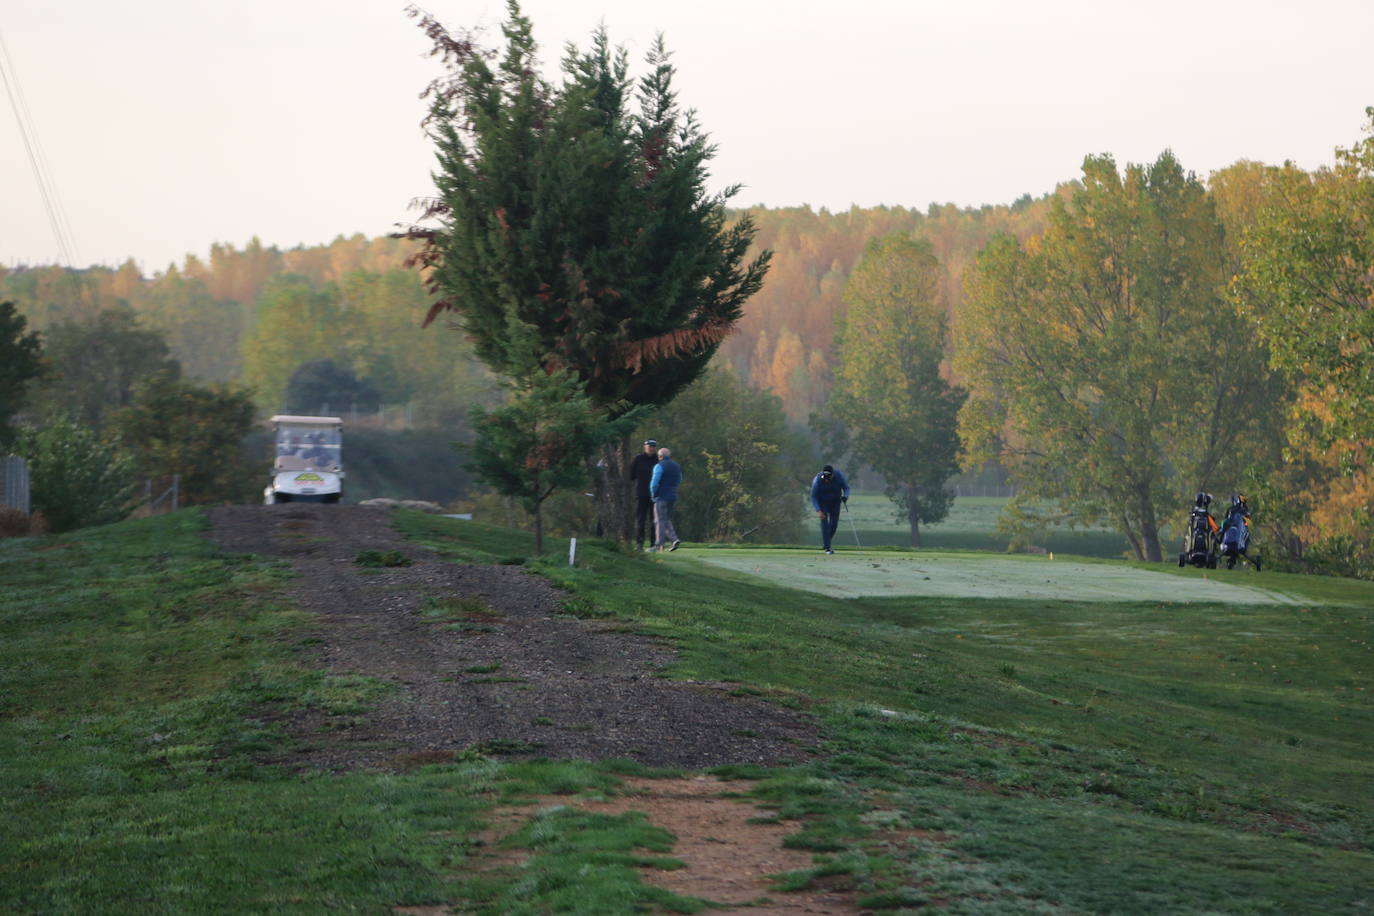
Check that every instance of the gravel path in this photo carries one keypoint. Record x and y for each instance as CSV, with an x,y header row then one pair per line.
x,y
516,677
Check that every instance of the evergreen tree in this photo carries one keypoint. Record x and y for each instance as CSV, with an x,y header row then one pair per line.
x,y
538,442
574,211
20,363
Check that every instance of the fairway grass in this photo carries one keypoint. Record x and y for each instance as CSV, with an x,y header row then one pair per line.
x,y
978,755
890,574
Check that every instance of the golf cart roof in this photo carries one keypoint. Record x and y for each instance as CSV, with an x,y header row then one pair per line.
x,y
306,421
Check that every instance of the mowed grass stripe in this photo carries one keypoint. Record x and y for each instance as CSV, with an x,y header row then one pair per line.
x,y
857,574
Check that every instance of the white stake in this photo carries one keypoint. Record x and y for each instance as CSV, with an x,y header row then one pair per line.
x,y
572,551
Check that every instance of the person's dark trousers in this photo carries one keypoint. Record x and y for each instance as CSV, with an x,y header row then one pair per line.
x,y
829,523
644,519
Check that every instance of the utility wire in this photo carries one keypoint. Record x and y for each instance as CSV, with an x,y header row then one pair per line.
x,y
73,249
47,188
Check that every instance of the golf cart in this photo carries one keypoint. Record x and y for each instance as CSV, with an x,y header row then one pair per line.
x,y
309,460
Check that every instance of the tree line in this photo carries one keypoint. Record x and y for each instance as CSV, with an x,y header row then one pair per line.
x,y
1135,335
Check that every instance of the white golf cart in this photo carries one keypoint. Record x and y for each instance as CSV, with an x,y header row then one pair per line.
x,y
309,461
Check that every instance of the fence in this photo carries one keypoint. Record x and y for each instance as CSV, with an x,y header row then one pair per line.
x,y
170,497
14,484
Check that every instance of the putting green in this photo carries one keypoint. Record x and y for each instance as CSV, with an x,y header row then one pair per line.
x,y
867,574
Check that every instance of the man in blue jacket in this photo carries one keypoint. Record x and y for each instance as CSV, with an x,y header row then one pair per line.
x,y
829,490
663,488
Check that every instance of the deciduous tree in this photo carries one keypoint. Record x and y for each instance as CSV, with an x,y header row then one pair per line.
x,y
1105,367
746,471
97,364
899,412
193,431
1308,283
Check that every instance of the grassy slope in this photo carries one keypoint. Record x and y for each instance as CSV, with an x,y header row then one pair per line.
x,y
1196,758
1131,758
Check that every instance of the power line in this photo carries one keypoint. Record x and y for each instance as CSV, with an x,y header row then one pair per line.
x,y
42,172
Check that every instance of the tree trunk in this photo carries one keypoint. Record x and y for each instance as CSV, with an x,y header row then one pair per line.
x,y
1128,529
915,521
613,491
1149,532
539,530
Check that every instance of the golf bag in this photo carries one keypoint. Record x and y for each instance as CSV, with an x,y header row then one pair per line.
x,y
1200,540
1235,534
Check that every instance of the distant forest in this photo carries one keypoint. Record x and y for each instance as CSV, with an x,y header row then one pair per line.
x,y
256,314
337,327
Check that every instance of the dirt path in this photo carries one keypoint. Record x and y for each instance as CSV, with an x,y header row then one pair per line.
x,y
518,677
728,856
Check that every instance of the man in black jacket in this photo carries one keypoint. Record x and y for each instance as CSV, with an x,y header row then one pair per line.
x,y
641,472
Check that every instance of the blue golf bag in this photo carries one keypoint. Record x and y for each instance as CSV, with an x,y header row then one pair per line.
x,y
1235,534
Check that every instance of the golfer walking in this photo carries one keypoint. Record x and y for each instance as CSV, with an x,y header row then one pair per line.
x,y
829,490
663,488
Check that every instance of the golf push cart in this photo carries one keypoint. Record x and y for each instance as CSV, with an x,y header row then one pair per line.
x,y
309,460
1203,536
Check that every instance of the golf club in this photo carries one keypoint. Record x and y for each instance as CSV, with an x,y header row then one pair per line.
x,y
851,526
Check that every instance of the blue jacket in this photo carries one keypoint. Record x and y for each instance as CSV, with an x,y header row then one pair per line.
x,y
828,494
663,484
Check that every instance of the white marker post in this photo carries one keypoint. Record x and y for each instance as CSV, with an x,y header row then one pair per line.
x,y
572,551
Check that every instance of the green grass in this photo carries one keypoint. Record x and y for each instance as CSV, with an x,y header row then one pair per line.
x,y
988,756
971,525
138,674
1122,756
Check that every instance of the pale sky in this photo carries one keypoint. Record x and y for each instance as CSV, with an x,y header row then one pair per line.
x,y
172,124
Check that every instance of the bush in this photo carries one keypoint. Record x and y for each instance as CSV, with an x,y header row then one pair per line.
x,y
1338,556
16,524
745,472
77,478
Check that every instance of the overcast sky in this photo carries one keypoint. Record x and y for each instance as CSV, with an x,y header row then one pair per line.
x,y
172,124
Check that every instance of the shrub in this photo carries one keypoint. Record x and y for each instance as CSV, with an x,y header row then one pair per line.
x,y
77,478
15,523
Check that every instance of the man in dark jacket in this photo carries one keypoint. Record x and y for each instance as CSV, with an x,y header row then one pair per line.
x,y
829,490
641,471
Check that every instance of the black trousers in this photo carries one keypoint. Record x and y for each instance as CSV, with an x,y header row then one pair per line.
x,y
644,517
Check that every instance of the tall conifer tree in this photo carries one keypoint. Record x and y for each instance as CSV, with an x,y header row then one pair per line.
x,y
580,211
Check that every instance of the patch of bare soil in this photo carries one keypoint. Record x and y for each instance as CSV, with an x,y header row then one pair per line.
x,y
729,857
508,674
